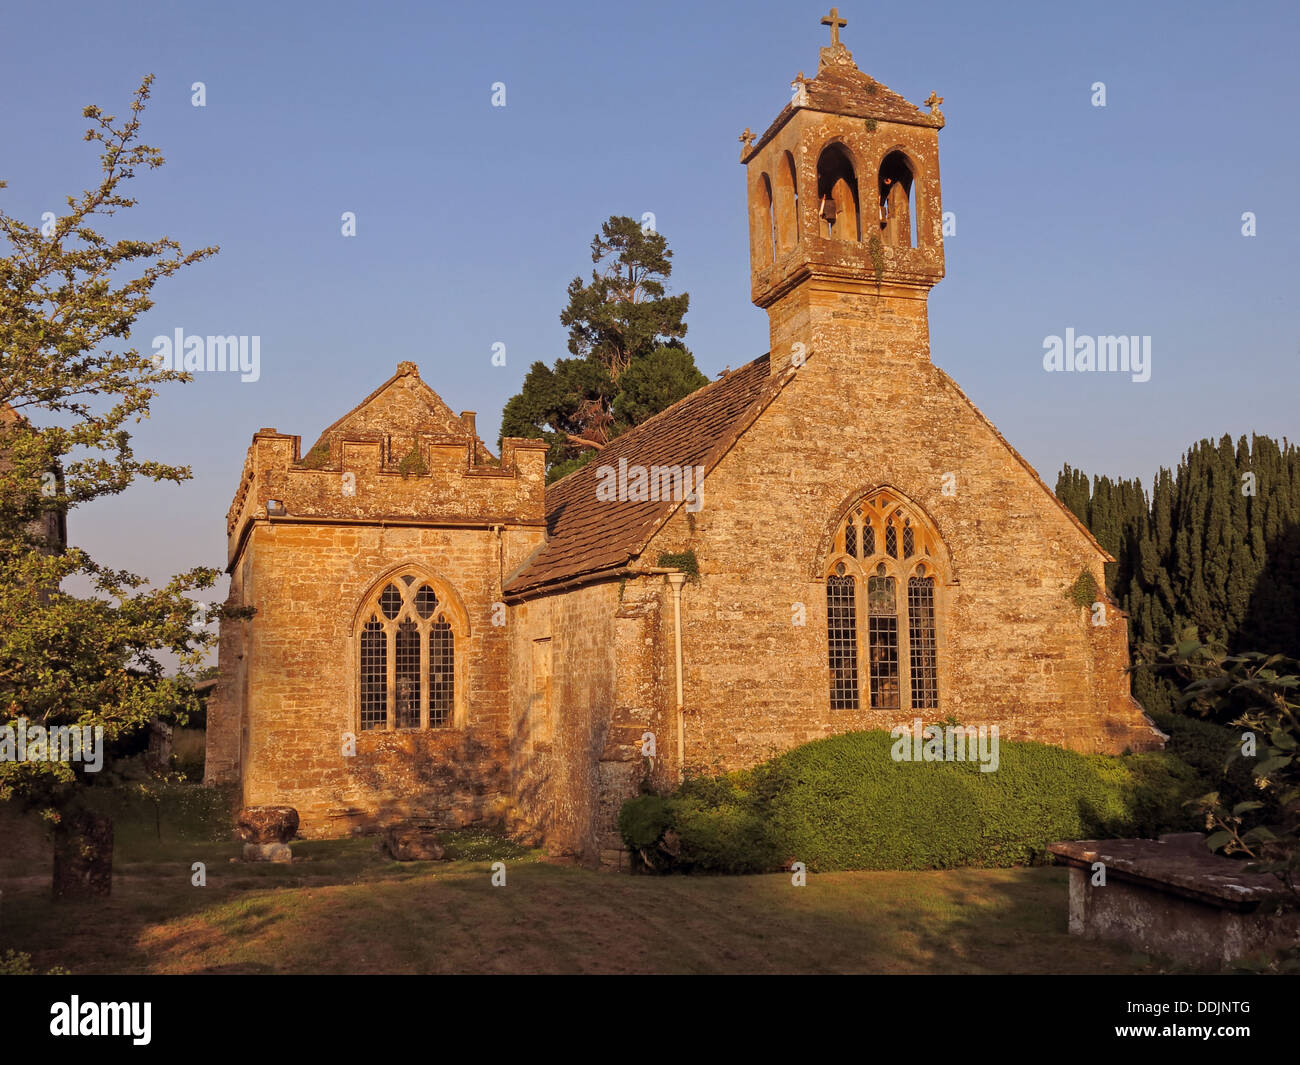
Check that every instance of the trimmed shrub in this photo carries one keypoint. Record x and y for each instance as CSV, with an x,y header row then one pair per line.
x,y
844,803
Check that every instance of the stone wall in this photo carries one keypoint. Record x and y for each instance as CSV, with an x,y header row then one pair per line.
x,y
613,682
868,409
555,781
301,690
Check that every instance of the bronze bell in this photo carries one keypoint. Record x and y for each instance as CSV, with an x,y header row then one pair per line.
x,y
827,211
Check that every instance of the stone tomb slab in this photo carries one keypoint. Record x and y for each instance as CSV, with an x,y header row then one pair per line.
x,y
1172,896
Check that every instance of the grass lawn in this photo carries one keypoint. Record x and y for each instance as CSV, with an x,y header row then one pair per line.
x,y
342,907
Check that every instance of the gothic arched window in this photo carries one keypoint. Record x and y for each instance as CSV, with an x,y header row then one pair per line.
x,y
881,607
407,665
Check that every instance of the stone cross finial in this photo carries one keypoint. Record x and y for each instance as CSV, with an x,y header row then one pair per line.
x,y
746,139
933,101
836,24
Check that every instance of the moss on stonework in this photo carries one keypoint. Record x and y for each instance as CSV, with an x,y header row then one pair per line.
x,y
317,458
877,257
685,561
413,463
1083,592
871,125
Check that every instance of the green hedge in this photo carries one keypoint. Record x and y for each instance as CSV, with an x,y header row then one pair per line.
x,y
844,803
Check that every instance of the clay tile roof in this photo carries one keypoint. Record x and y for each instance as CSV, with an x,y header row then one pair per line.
x,y
586,534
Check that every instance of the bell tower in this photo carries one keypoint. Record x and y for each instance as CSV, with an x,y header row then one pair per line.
x,y
845,222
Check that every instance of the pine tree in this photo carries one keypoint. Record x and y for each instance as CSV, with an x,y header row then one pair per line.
x,y
625,333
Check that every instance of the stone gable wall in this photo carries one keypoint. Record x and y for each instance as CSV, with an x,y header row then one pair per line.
x,y
868,409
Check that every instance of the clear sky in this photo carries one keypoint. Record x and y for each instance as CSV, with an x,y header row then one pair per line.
x,y
471,219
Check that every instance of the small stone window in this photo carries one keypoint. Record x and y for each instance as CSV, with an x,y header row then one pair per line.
x,y
407,658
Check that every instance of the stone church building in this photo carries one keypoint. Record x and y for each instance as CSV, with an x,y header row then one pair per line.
x,y
440,634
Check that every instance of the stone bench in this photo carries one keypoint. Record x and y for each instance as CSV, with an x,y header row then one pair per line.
x,y
1172,896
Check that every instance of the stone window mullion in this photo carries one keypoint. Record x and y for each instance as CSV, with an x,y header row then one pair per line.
x,y
390,641
426,678
904,647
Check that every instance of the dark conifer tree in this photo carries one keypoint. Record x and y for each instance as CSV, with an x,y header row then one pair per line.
x,y
1214,548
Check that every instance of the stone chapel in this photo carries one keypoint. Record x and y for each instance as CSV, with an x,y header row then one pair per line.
x,y
438,633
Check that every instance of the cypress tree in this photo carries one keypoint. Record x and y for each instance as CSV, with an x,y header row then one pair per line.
x,y
1210,548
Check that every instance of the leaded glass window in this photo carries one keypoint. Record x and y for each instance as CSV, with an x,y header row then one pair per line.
x,y
882,607
407,667
442,673
920,631
841,613
882,640
374,675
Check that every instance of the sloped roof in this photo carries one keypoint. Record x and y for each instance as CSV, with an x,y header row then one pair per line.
x,y
840,88
843,89
587,534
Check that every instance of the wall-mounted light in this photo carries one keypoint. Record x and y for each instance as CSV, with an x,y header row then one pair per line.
x,y
275,508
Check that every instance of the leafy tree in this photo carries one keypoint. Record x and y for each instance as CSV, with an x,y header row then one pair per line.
x,y
628,360
1261,695
72,385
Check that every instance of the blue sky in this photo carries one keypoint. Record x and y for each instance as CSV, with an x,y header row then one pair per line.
x,y
471,219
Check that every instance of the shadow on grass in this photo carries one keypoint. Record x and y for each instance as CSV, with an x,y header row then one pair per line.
x,y
344,907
